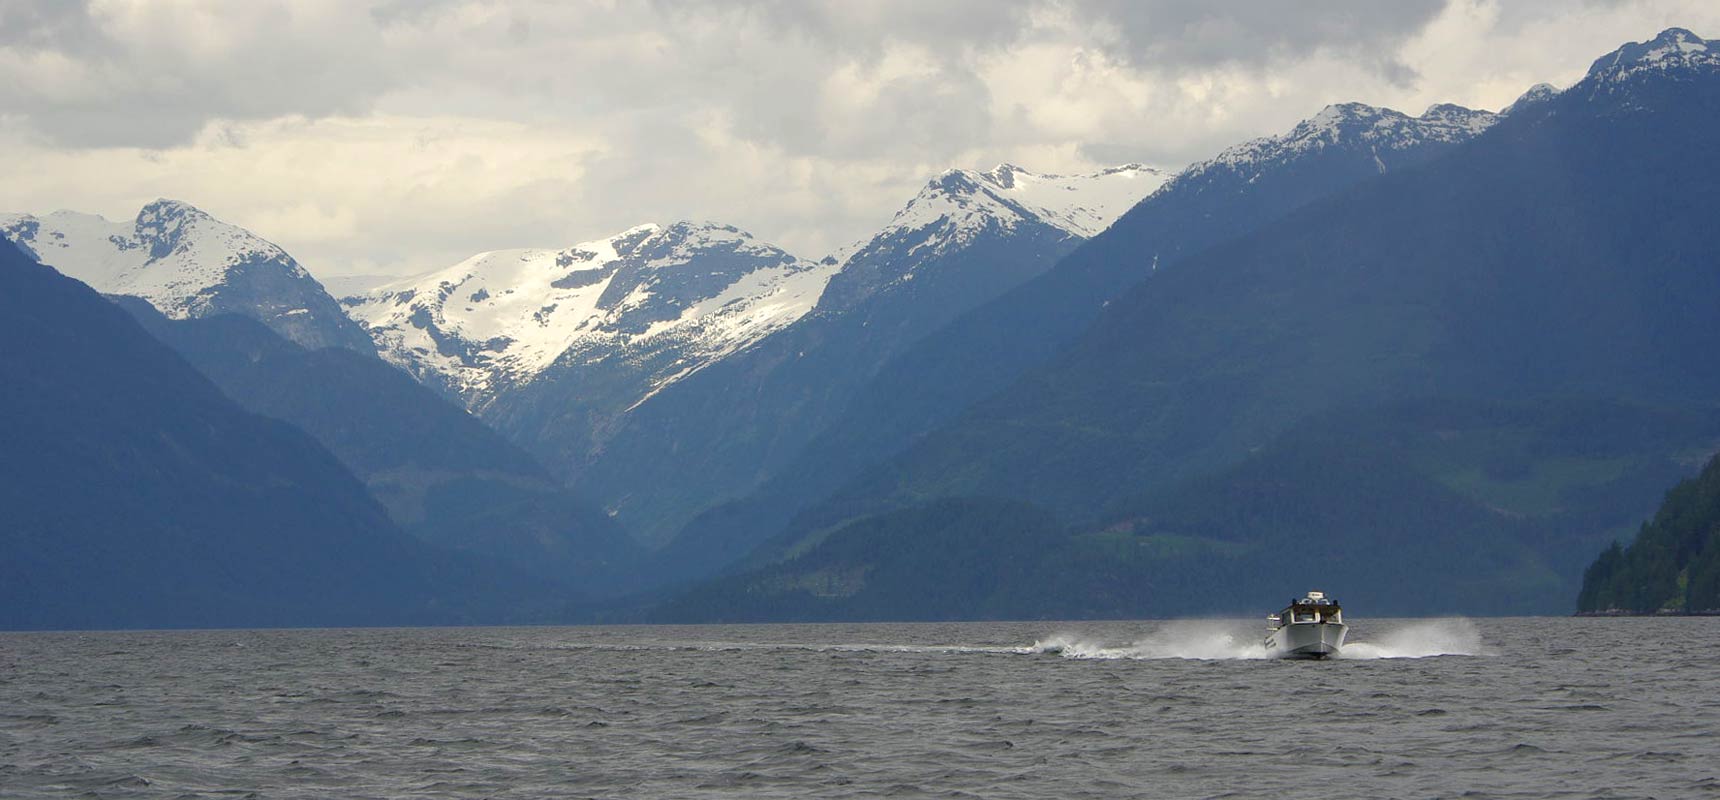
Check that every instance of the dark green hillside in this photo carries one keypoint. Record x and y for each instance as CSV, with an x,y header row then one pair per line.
x,y
443,475
1434,507
1437,507
1674,564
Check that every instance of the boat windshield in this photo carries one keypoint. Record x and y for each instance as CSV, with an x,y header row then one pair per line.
x,y
1312,612
1315,608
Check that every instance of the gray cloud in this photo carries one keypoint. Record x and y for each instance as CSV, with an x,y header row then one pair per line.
x,y
863,29
98,74
1191,33
32,23
95,75
391,134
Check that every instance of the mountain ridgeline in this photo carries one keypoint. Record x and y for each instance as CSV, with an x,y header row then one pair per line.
x,y
929,383
1530,262
1529,268
966,238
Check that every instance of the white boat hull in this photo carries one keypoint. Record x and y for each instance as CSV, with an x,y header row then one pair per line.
x,y
1306,640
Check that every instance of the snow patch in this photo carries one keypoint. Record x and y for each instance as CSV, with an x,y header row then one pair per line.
x,y
959,204
1347,125
692,291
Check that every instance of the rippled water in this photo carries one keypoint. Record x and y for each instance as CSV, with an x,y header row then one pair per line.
x,y
1490,708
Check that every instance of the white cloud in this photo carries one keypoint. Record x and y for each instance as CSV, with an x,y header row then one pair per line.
x,y
401,135
344,194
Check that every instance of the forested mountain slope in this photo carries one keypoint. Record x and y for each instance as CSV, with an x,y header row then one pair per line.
x,y
1673,566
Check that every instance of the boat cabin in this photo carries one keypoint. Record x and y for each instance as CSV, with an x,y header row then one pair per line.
x,y
1315,608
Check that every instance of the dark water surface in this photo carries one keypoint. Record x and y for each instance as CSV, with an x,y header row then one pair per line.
x,y
1524,708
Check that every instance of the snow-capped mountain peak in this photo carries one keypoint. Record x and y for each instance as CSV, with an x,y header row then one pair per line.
x,y
1537,94
1345,123
187,263
1673,49
1003,175
1381,130
960,206
168,225
1082,205
955,207
684,295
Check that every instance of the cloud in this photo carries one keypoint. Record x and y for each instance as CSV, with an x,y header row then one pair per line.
x,y
152,73
1193,35
378,193
399,135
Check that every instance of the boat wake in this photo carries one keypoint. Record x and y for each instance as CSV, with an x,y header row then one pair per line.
x,y
1435,637
1188,639
1215,640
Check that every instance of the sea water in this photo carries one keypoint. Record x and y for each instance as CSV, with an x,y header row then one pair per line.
x,y
1508,708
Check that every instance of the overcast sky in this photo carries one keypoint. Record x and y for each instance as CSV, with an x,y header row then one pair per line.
x,y
397,136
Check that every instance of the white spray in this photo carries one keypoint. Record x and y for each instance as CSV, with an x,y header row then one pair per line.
x,y
1223,640
1434,637
1199,639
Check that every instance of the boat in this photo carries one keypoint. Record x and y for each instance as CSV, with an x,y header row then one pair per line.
x,y
1309,628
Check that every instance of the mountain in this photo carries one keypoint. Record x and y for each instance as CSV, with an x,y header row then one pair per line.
x,y
188,264
1673,566
1530,265
135,494
980,352
442,475
965,238
551,346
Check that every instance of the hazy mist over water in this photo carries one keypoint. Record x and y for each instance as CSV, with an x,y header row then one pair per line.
x,y
1521,708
